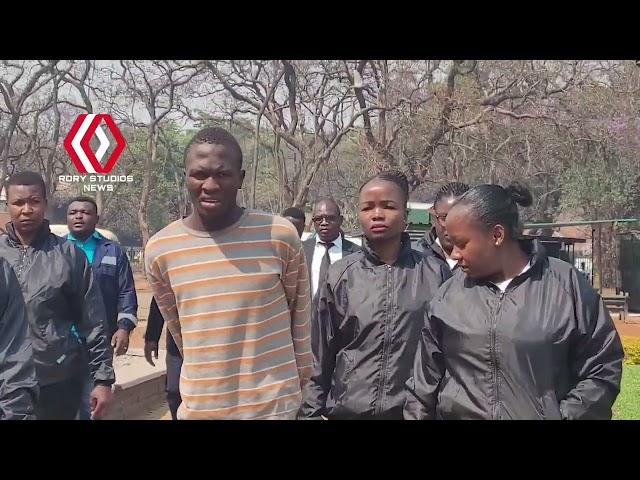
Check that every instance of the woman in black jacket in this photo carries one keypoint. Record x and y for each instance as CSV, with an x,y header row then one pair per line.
x,y
436,241
365,330
517,335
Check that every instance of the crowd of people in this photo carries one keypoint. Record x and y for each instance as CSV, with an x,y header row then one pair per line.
x,y
474,323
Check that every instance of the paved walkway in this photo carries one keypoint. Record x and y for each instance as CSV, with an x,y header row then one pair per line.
x,y
133,366
157,412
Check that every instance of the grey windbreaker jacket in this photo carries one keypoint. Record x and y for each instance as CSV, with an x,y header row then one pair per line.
x,y
545,349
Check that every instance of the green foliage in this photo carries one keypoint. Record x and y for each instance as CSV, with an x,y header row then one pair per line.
x,y
631,347
604,184
627,406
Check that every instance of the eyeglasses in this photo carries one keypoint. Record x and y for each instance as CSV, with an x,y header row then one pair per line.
x,y
441,218
326,218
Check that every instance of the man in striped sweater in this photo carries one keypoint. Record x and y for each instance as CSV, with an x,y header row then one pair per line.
x,y
233,288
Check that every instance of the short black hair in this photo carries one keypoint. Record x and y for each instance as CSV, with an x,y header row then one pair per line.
x,y
216,136
84,200
294,212
452,189
393,176
28,178
330,200
492,205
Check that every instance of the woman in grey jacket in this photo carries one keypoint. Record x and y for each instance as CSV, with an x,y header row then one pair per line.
x,y
515,334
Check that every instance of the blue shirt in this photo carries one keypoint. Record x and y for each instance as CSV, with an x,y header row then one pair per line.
x,y
88,246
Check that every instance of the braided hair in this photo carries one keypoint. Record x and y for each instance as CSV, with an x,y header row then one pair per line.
x,y
393,176
452,189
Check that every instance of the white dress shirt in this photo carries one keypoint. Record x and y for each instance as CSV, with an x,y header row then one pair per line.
x,y
335,254
503,285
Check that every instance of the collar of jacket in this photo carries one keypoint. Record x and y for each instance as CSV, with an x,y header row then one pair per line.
x,y
372,256
41,236
104,241
430,238
96,235
537,256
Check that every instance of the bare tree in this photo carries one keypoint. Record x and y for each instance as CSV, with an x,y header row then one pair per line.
x,y
399,88
18,82
312,112
154,84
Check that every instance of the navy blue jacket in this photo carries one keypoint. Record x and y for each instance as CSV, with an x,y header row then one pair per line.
x,y
113,272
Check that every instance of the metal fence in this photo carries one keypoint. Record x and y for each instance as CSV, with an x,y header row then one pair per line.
x,y
585,265
134,254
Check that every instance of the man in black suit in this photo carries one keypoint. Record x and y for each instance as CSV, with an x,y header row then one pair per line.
x,y
329,245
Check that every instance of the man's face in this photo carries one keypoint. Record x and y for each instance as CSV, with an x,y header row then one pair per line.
x,y
213,180
82,219
327,221
27,206
440,211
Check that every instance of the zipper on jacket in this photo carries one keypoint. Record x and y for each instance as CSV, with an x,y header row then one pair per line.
x,y
385,346
22,260
494,359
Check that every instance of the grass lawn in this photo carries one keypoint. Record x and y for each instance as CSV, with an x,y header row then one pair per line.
x,y
627,406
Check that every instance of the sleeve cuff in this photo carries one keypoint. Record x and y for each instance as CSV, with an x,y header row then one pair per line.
x,y
127,321
104,383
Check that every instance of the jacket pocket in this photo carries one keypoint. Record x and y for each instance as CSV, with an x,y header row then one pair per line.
x,y
551,407
107,269
344,366
348,391
447,399
58,347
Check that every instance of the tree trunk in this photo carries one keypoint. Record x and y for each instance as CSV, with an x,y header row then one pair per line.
x,y
301,197
254,174
6,145
150,159
100,202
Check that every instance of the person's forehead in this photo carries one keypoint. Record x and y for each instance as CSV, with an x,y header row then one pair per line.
x,y
458,211
77,205
326,207
211,154
445,204
460,217
382,187
24,191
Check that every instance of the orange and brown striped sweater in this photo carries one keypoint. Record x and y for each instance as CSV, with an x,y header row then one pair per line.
x,y
237,304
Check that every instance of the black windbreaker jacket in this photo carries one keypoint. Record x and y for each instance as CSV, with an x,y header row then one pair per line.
x,y
428,245
545,349
18,384
59,291
365,332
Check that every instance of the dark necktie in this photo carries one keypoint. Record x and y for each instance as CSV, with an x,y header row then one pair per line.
x,y
324,266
